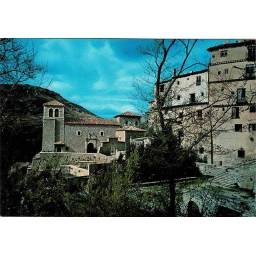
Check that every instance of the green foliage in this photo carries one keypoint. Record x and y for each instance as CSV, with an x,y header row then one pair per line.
x,y
165,158
46,191
112,192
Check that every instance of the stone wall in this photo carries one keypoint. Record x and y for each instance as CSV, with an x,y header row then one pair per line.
x,y
210,198
66,158
88,134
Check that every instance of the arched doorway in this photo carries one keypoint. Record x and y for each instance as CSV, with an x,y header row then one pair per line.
x,y
91,148
193,210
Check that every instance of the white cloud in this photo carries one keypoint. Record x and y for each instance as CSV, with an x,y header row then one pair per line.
x,y
60,86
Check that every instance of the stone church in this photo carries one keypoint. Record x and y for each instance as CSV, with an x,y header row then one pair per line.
x,y
87,135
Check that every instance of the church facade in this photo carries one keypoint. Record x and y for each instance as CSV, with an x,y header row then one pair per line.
x,y
85,135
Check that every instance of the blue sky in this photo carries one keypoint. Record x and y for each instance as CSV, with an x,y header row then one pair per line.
x,y
99,74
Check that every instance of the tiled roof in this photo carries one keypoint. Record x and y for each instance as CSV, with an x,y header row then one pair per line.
x,y
131,128
127,113
92,121
231,45
54,103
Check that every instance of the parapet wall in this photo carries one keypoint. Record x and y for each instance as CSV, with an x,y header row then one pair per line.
x,y
66,158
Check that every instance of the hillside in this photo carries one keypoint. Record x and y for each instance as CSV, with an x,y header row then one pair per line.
x,y
21,121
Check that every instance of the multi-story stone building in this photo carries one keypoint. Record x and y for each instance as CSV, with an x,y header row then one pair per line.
x,y
128,118
214,109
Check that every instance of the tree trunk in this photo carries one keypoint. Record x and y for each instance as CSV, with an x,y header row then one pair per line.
x,y
211,138
172,194
211,147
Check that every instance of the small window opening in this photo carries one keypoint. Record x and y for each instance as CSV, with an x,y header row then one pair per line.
x,y
198,80
223,53
238,128
199,114
252,127
241,153
235,112
50,112
192,98
56,113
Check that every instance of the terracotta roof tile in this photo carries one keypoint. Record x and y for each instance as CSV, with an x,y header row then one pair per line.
x,y
54,103
92,121
131,128
128,113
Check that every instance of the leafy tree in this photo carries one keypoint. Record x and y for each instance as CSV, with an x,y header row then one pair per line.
x,y
165,160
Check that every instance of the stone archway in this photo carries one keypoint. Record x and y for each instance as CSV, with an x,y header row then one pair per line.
x,y
193,210
91,148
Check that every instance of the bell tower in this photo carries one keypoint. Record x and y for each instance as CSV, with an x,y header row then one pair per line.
x,y
53,127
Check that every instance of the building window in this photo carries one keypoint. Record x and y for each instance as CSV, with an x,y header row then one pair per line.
x,y
178,97
250,71
219,72
202,94
136,123
126,122
223,109
225,71
161,87
180,115
241,95
201,150
50,112
56,113
198,80
112,150
213,56
241,153
252,127
192,98
253,108
235,112
238,128
223,53
178,82
101,133
252,53
58,148
199,114
78,133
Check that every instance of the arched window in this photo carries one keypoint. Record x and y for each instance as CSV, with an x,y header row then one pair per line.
x,y
56,113
50,112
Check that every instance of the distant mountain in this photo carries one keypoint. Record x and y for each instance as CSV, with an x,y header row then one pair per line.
x,y
21,121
